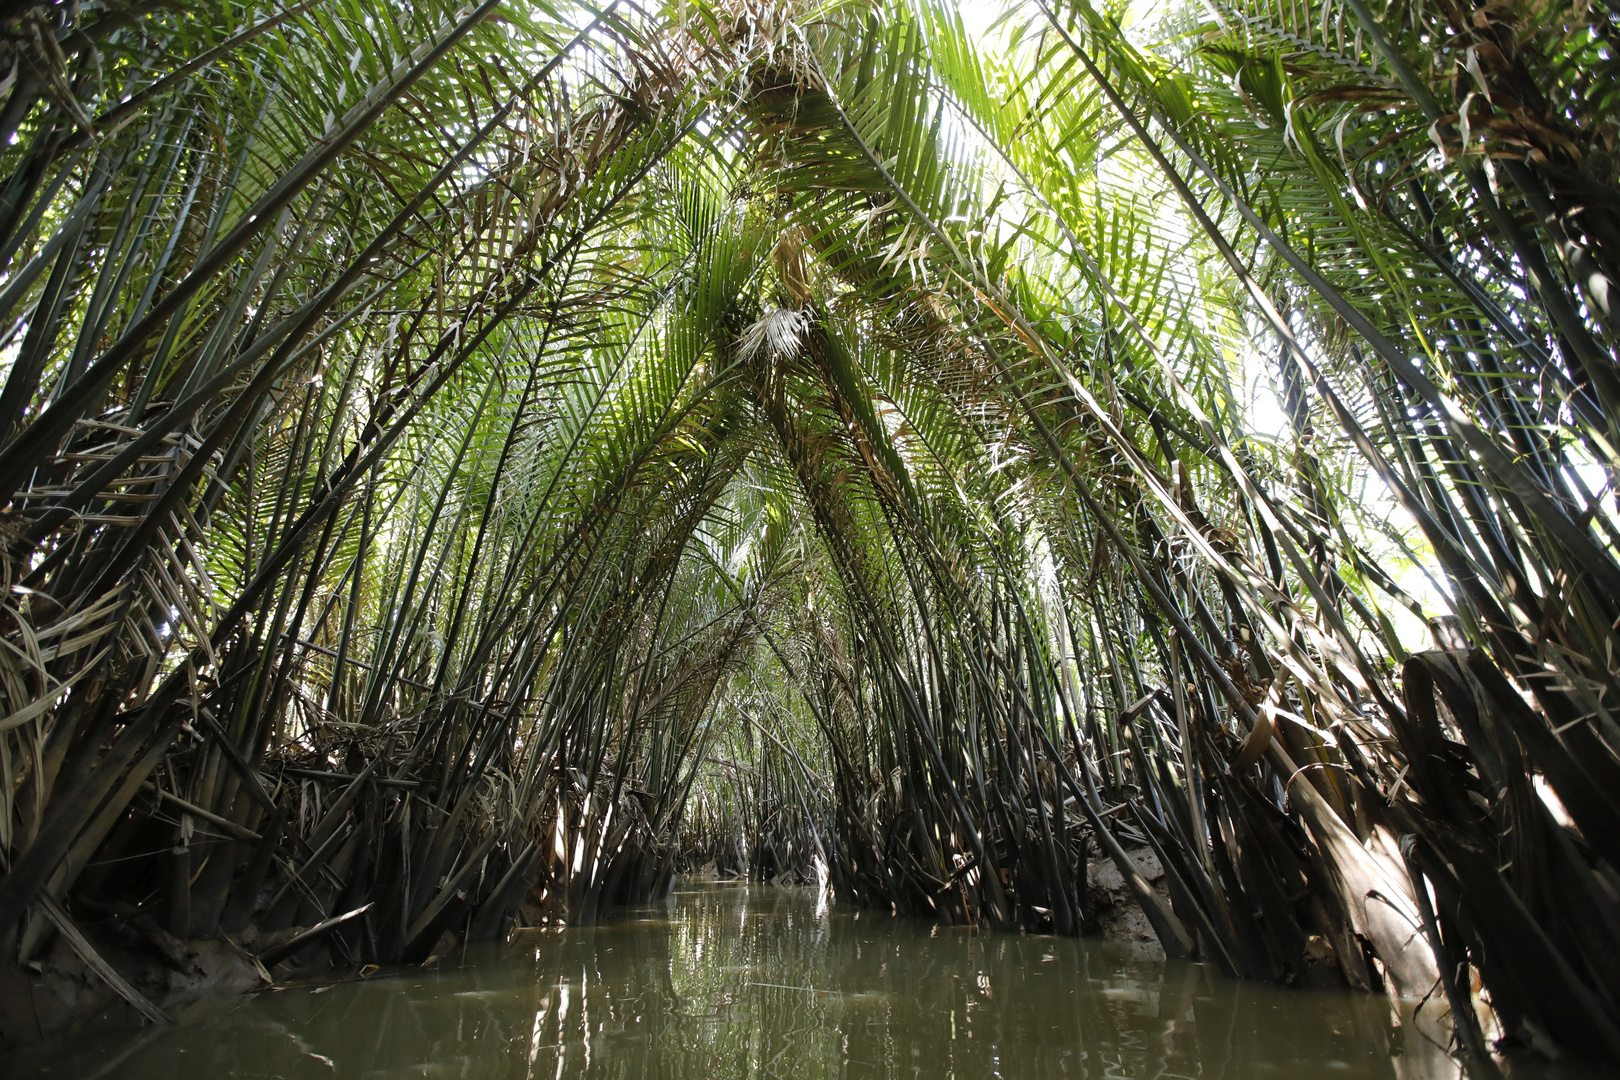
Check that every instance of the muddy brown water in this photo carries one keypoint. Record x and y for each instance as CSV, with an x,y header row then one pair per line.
x,y
737,981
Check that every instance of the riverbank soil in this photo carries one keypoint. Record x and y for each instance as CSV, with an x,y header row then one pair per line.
x,y
59,994
1118,914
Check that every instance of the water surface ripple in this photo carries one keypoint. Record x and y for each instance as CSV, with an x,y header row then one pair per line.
x,y
734,981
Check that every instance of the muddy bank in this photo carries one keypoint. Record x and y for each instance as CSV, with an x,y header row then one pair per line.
x,y
1118,916
122,970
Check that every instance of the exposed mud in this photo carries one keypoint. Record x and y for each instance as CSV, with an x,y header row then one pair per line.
x,y
59,995
1117,911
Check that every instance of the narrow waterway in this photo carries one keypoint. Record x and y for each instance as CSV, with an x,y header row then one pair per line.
x,y
733,981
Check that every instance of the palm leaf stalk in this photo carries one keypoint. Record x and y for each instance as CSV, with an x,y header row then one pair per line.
x,y
1532,479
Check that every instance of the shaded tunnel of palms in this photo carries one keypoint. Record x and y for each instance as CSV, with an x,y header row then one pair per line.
x,y
469,460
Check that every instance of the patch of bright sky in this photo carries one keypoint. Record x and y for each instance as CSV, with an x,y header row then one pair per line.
x,y
979,15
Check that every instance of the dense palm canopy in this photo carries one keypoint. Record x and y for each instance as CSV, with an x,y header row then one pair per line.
x,y
463,458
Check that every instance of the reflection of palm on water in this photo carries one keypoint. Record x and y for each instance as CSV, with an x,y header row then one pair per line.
x,y
736,982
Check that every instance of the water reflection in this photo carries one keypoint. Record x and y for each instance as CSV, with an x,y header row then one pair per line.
x,y
739,982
